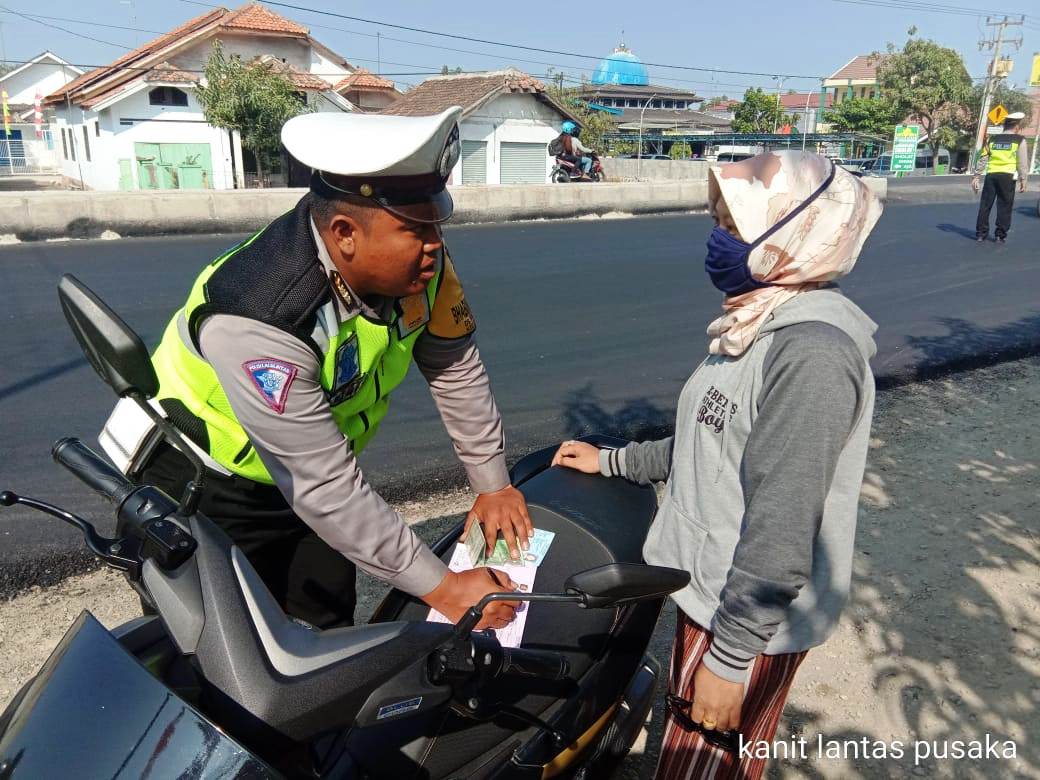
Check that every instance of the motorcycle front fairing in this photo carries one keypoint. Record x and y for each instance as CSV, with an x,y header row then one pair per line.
x,y
94,711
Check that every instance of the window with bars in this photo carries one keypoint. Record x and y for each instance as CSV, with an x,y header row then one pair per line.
x,y
168,96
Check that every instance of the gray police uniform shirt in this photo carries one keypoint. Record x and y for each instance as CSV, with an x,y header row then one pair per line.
x,y
311,461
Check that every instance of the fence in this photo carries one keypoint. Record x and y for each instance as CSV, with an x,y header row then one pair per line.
x,y
26,156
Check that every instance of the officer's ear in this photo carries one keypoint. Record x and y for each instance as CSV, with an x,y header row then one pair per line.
x,y
345,231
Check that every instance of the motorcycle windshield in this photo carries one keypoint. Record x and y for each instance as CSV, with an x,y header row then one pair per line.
x,y
94,711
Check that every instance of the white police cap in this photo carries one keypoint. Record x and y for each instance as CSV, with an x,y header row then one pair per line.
x,y
402,163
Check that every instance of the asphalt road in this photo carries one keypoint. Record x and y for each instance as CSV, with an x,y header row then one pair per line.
x,y
584,325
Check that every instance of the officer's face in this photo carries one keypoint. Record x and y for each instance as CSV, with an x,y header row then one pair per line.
x,y
393,256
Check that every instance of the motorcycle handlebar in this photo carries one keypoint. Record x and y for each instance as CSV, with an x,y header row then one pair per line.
x,y
90,469
538,664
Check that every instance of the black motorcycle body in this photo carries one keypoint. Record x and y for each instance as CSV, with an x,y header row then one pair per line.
x,y
221,683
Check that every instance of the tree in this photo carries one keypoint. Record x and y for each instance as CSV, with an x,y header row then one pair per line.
x,y
1003,95
873,116
251,98
759,112
446,71
594,124
929,84
680,151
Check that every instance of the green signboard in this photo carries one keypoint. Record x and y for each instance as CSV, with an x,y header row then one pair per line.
x,y
904,147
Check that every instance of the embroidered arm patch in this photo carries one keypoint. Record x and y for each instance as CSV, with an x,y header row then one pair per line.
x,y
272,379
451,317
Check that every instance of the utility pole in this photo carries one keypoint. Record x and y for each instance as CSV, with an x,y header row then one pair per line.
x,y
993,75
779,86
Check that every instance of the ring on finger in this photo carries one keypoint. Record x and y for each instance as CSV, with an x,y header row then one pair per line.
x,y
709,723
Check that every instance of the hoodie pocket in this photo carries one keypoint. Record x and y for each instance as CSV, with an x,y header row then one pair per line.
x,y
677,539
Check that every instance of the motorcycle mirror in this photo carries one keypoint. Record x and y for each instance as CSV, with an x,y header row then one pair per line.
x,y
621,583
115,352
121,359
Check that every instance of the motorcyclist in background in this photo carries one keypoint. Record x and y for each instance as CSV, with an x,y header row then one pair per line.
x,y
574,150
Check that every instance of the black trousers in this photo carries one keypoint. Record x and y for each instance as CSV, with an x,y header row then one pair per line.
x,y
308,578
999,187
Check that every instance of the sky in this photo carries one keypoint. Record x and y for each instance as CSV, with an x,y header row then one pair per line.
x,y
803,41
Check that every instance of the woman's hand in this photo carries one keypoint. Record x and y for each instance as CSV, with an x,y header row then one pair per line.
x,y
716,702
577,455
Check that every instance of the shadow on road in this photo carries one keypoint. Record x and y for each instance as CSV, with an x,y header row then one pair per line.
x,y
637,420
40,377
946,227
965,347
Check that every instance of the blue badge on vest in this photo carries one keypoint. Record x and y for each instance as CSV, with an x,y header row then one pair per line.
x,y
346,375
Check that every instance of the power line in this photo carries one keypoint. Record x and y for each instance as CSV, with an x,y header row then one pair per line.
x,y
62,29
916,5
514,45
34,17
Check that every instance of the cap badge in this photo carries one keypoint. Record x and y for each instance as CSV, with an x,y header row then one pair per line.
x,y
450,154
366,190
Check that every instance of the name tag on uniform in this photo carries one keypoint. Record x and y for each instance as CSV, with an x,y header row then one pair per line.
x,y
346,375
414,313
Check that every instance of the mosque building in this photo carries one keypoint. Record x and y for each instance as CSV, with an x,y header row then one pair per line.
x,y
621,84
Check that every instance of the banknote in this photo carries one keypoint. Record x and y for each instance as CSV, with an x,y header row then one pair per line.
x,y
538,546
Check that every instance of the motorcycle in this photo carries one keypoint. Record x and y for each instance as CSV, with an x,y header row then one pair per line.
x,y
219,682
566,171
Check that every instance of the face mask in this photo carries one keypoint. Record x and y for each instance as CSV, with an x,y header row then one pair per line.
x,y
727,263
727,260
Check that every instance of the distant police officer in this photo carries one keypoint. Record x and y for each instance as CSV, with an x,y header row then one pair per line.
x,y
280,366
1004,159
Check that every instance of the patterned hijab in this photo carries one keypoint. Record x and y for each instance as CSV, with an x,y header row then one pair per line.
x,y
817,246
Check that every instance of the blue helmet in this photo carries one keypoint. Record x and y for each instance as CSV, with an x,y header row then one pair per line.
x,y
569,127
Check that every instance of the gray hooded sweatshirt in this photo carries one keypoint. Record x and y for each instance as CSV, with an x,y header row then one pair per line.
x,y
763,478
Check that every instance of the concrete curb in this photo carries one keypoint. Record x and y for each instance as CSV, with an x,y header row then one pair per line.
x,y
34,216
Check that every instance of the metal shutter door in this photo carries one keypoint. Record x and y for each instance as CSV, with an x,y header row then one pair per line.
x,y
523,163
474,162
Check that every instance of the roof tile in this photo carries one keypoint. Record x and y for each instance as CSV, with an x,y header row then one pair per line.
x,y
166,72
153,46
859,68
797,100
299,79
467,90
363,79
258,18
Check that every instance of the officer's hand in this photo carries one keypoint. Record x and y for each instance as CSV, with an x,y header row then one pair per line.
x,y
458,592
975,184
505,511
577,455
1021,185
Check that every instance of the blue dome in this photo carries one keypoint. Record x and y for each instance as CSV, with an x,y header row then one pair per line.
x,y
621,67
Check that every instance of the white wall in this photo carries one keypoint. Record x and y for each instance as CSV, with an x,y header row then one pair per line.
x,y
46,76
295,52
163,124
519,117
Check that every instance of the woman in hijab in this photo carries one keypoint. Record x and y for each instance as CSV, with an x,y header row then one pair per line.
x,y
764,470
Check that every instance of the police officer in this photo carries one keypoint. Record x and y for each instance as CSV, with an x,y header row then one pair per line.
x,y
279,370
1004,159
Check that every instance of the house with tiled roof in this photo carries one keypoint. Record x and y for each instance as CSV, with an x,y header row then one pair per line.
x,y
805,107
367,91
137,124
508,119
857,78
29,146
